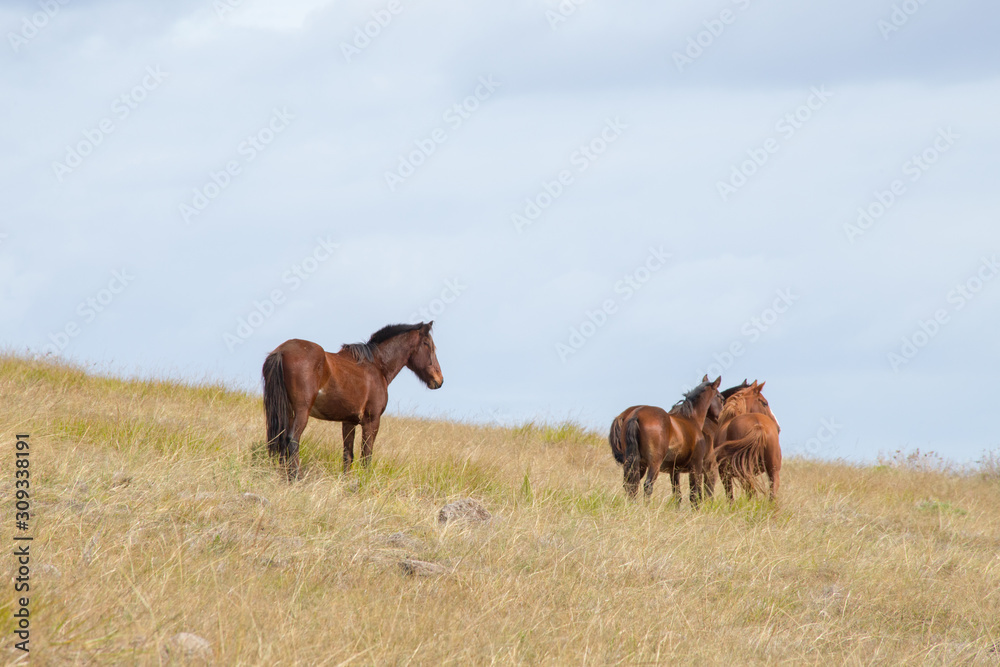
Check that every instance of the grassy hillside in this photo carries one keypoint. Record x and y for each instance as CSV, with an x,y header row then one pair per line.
x,y
143,531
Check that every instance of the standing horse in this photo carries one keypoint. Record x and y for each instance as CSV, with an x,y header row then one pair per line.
x,y
747,445
301,380
656,440
744,400
617,441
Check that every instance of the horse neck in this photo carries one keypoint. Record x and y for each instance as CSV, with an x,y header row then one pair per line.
x,y
392,355
701,410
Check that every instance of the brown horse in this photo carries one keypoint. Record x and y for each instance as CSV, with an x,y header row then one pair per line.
x,y
657,440
747,445
744,400
301,380
617,441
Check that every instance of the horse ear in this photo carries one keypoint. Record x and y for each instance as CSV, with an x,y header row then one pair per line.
x,y
426,327
754,385
760,387
718,381
705,379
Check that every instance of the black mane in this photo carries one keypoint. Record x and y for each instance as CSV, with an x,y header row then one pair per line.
x,y
366,351
685,406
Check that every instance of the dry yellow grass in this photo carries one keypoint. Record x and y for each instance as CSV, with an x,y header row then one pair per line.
x,y
142,532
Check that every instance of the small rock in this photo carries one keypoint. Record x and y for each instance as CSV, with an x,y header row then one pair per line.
x,y
465,509
190,646
403,541
254,498
421,568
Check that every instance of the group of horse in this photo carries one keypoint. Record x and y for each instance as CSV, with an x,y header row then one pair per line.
x,y
733,432
709,433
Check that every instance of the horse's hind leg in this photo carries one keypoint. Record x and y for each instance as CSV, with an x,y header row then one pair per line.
x,y
727,484
632,475
291,454
348,429
651,474
773,469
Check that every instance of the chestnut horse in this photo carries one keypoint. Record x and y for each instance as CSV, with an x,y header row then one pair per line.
x,y
744,400
617,441
747,445
657,440
301,380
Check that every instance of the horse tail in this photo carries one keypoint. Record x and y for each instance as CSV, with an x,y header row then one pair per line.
x,y
630,460
615,439
748,455
631,457
277,407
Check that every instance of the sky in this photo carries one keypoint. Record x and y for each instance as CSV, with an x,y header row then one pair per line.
x,y
597,203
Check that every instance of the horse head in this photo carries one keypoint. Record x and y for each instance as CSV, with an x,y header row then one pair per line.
x,y
423,358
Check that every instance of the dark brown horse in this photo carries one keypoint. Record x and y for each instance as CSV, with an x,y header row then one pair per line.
x,y
657,440
746,446
301,380
617,441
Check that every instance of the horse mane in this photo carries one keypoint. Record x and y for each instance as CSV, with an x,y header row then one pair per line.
x,y
366,351
685,406
735,406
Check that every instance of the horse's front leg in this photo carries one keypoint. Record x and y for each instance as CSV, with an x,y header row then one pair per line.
x,y
369,430
711,476
695,480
